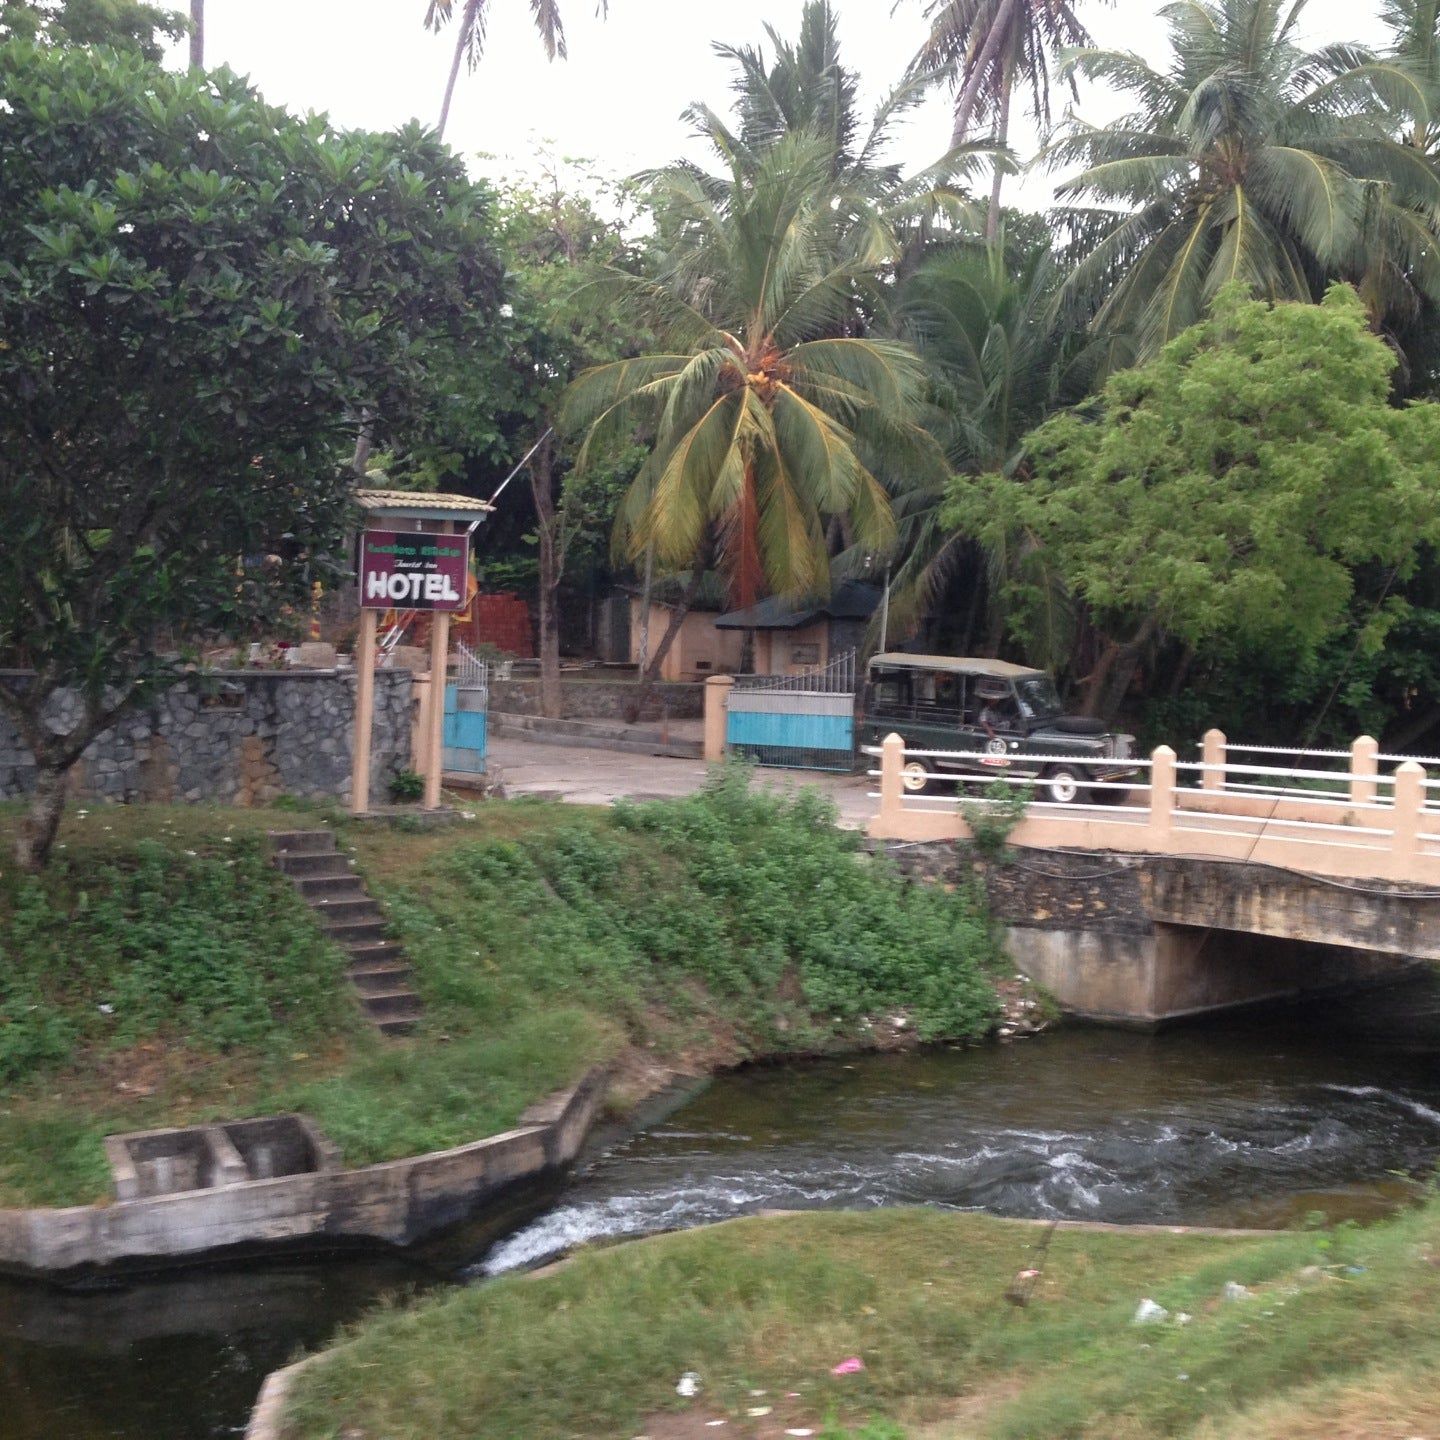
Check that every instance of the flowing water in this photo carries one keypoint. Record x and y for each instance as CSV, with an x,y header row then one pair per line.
x,y
1254,1122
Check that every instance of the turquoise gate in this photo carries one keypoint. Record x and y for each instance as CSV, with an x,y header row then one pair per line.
x,y
467,707
804,722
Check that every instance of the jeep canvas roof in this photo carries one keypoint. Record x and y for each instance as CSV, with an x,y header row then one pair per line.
x,y
954,664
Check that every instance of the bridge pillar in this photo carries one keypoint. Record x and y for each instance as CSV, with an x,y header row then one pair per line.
x,y
1162,793
1364,767
1405,836
892,765
1213,755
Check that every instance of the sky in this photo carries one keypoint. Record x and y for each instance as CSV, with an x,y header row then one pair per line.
x,y
616,102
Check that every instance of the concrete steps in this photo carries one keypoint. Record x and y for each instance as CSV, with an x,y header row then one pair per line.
x,y
382,976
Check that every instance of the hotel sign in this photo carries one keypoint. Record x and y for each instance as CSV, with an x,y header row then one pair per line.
x,y
413,570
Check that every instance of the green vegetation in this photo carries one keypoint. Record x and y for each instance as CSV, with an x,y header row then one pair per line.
x,y
160,971
200,318
595,1348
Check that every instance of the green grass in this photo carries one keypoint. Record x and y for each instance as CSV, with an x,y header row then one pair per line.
x,y
594,1348
161,972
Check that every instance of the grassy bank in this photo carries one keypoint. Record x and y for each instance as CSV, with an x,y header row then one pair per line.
x,y
161,972
1336,1338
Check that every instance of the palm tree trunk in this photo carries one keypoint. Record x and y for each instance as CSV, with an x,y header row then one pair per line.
x,y
748,571
463,29
197,34
970,94
1002,135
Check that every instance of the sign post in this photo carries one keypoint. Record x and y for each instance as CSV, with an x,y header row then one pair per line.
x,y
423,568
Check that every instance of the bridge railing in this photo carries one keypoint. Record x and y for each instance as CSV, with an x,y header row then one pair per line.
x,y
1361,822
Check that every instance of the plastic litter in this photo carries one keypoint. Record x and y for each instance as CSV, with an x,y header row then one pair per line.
x,y
1234,1290
756,1411
1182,1318
688,1385
1147,1312
799,1432
851,1366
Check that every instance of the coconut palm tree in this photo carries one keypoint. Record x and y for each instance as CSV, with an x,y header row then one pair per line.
x,y
771,412
1002,356
986,47
806,85
1247,158
470,36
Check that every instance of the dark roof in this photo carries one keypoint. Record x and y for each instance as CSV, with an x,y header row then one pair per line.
x,y
851,600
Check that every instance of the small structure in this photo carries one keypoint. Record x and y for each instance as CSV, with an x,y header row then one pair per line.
x,y
700,649
413,554
794,638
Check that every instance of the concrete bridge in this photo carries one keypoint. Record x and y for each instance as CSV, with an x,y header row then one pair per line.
x,y
1209,884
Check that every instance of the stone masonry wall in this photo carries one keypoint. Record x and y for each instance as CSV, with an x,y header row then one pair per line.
x,y
1043,890
599,699
239,737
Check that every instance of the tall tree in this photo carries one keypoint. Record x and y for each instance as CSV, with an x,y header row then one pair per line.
x,y
987,48
1228,489
470,31
1002,358
132,25
557,241
805,85
1248,158
771,413
192,300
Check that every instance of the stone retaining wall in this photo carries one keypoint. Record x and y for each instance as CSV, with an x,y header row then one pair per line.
x,y
600,699
396,1202
240,737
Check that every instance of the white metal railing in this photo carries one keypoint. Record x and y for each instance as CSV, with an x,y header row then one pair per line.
x,y
1376,823
471,672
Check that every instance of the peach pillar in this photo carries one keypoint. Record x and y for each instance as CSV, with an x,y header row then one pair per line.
x,y
1213,753
717,701
364,712
435,747
1409,803
1162,792
892,789
1364,767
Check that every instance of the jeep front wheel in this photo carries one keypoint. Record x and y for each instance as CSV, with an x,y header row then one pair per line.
x,y
1062,786
914,777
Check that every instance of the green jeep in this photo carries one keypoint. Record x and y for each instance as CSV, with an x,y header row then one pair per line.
x,y
995,716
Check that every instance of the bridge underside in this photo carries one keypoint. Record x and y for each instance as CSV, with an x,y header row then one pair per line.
x,y
1148,941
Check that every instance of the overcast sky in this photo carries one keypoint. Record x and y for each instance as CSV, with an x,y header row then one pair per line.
x,y
617,100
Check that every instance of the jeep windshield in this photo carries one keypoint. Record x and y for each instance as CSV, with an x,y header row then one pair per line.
x,y
1037,697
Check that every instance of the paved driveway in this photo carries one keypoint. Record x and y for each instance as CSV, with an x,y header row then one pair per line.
x,y
585,776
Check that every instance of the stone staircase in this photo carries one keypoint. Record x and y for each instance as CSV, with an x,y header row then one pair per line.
x,y
378,967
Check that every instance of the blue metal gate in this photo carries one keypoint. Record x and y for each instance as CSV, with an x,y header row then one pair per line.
x,y
804,722
467,705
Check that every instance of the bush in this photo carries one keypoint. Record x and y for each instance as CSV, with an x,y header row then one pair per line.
x,y
212,950
751,910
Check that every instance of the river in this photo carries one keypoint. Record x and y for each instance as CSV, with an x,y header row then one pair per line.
x,y
1257,1121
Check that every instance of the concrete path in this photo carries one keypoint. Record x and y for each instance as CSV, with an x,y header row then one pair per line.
x,y
599,777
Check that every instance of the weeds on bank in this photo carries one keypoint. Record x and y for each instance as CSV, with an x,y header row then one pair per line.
x,y
1318,1350
728,907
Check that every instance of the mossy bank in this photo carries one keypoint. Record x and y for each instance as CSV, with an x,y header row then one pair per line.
x,y
161,971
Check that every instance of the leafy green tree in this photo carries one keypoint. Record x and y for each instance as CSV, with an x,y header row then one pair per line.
x,y
1249,159
1228,488
196,291
985,47
122,24
470,27
1002,358
557,243
770,411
